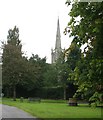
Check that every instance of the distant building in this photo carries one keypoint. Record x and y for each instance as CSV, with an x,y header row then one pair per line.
x,y
55,53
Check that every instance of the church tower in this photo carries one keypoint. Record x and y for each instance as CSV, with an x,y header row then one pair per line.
x,y
57,51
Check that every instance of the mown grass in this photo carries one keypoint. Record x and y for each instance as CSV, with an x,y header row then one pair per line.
x,y
47,109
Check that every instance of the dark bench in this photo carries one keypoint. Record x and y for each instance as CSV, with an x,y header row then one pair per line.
x,y
31,99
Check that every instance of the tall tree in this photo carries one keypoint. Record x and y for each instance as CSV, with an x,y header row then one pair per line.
x,y
73,54
80,19
88,29
62,73
12,61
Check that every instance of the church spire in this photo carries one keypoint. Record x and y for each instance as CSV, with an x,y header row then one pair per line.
x,y
55,54
58,37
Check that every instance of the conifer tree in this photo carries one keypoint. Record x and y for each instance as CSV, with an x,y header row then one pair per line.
x,y
12,61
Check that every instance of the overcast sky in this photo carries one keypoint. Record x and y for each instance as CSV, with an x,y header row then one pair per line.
x,y
37,23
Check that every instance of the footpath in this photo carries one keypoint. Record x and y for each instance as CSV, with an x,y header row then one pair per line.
x,y
13,113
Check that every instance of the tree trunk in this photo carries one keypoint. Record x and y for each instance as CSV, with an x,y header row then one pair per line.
x,y
8,92
64,93
14,93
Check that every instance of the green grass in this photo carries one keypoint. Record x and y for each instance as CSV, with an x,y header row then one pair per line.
x,y
47,109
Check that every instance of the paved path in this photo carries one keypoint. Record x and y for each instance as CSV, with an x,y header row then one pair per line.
x,y
13,112
0,111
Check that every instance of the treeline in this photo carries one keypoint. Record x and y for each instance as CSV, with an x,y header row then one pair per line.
x,y
31,77
18,70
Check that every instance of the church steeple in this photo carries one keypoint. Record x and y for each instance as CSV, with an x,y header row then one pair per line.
x,y
58,37
55,54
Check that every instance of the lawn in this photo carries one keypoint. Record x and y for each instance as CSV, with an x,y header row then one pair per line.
x,y
49,109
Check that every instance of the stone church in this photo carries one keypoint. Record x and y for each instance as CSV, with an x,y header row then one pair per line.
x,y
55,53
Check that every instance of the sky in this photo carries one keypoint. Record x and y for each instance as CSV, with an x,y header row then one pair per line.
x,y
37,23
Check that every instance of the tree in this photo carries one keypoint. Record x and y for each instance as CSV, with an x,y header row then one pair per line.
x,y
62,73
37,69
91,35
88,29
50,76
13,62
73,54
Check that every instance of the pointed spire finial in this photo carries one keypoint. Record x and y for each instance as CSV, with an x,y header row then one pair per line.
x,y
58,36
58,22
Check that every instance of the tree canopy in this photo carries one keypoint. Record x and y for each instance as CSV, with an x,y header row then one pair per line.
x,y
86,25
12,60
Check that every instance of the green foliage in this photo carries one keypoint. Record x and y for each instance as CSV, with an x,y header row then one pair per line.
x,y
50,76
96,71
37,70
19,70
87,72
88,27
96,98
12,67
62,72
73,56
